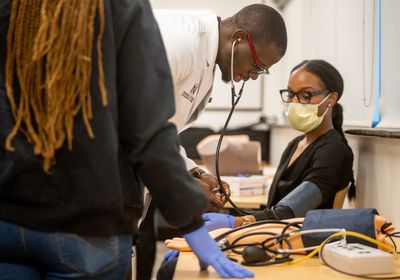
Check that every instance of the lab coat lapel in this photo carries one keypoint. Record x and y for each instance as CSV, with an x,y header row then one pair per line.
x,y
204,94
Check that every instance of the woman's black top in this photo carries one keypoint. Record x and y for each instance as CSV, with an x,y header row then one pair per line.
x,y
327,162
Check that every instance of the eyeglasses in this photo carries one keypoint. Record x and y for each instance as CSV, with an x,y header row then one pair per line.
x,y
303,97
260,69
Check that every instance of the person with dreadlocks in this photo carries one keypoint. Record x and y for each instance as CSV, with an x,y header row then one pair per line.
x,y
82,124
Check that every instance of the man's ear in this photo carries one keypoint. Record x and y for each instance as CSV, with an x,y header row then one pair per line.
x,y
238,35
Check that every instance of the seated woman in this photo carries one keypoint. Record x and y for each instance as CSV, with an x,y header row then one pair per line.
x,y
315,165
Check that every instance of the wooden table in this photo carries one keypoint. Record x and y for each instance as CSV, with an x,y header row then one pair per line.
x,y
251,202
188,268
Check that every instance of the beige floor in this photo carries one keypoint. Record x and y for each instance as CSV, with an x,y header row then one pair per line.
x,y
161,250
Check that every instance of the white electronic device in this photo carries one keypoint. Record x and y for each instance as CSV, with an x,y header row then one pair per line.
x,y
358,259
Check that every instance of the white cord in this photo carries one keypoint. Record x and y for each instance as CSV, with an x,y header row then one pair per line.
x,y
322,230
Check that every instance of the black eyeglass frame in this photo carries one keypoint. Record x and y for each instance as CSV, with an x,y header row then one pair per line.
x,y
300,99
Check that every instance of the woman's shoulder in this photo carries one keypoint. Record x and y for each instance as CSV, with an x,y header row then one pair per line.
x,y
333,140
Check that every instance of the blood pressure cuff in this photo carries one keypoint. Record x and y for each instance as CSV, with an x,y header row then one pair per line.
x,y
358,220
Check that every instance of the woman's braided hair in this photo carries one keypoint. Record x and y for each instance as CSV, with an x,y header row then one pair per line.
x,y
49,53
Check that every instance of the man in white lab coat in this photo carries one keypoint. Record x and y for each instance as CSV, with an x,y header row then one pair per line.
x,y
196,42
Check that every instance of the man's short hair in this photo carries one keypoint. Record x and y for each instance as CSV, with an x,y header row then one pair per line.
x,y
264,24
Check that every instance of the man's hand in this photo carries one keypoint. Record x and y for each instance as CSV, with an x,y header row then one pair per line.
x,y
212,181
209,184
214,200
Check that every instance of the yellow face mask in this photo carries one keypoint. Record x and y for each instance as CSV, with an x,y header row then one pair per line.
x,y
304,117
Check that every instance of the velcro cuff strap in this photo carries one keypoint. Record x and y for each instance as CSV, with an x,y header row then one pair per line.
x,y
358,220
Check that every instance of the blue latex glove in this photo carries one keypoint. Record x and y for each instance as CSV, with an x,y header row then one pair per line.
x,y
217,220
171,254
208,253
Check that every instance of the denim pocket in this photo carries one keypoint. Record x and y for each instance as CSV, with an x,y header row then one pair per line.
x,y
88,255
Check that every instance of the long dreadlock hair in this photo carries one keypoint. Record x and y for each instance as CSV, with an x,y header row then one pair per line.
x,y
49,52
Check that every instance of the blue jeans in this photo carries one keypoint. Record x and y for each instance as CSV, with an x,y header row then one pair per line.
x,y
29,255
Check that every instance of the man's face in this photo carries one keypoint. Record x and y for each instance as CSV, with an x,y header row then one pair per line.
x,y
244,61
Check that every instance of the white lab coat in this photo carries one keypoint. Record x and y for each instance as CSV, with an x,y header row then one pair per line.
x,y
191,42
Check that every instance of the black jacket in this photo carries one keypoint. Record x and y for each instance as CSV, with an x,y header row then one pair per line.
x,y
96,188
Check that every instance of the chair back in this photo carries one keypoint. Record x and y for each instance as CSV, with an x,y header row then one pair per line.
x,y
339,197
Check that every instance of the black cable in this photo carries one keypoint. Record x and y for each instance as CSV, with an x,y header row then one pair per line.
x,y
222,235
395,235
394,243
272,253
233,245
279,239
276,238
221,136
234,103
289,244
293,224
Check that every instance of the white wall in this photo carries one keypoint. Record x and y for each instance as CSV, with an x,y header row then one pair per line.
x,y
377,166
333,30
345,34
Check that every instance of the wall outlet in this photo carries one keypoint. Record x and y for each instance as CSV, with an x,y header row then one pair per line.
x,y
357,259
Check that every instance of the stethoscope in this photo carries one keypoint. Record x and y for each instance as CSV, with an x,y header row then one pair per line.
x,y
235,100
